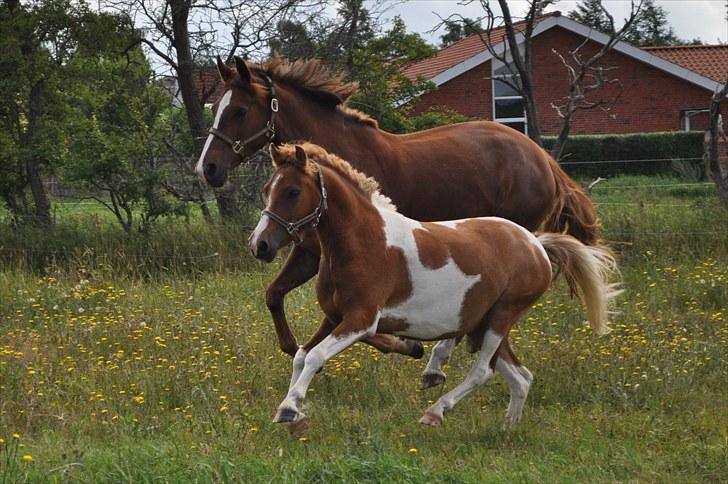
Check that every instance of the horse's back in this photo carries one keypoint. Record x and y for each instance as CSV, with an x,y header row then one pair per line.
x,y
474,169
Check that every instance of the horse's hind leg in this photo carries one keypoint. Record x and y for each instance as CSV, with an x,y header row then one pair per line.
x,y
498,322
518,378
479,374
387,343
300,266
433,374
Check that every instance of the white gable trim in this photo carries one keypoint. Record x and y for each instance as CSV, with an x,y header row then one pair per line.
x,y
584,31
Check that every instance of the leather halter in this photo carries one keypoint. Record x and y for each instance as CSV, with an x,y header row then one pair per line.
x,y
312,218
269,130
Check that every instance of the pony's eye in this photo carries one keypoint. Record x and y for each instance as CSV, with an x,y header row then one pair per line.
x,y
240,113
293,193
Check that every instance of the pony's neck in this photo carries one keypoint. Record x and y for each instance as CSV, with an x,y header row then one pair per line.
x,y
346,225
302,118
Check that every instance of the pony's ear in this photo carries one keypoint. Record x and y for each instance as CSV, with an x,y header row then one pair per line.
x,y
275,154
243,70
226,72
301,157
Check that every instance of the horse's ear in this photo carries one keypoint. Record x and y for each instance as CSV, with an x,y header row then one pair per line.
x,y
301,158
243,70
225,71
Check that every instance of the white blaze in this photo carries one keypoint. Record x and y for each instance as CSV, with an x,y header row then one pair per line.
x,y
220,108
264,219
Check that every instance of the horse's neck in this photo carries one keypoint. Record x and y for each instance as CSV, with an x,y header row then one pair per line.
x,y
301,118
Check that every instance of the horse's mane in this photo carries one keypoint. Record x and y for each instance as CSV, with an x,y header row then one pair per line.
x,y
368,185
313,77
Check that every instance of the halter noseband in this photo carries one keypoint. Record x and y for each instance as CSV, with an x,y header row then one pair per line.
x,y
312,218
269,130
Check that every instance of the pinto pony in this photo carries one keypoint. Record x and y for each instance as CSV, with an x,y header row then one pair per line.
x,y
384,273
464,170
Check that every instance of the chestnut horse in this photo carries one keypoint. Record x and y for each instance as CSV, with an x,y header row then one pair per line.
x,y
458,171
382,272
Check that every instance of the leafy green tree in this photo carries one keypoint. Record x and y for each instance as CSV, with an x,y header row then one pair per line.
x,y
591,13
652,27
118,110
382,87
459,29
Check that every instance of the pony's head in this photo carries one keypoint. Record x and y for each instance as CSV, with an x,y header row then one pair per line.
x,y
296,199
242,124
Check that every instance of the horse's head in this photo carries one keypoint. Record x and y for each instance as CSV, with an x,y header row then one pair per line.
x,y
296,199
242,125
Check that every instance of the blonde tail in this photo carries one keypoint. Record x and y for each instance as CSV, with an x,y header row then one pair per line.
x,y
588,268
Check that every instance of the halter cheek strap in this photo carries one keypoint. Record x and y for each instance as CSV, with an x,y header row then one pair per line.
x,y
313,218
269,130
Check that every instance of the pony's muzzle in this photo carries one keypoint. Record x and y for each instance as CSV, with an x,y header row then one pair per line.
x,y
215,174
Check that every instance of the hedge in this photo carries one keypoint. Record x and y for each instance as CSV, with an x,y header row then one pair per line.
x,y
669,151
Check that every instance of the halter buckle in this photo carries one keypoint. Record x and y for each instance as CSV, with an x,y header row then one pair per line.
x,y
238,147
274,104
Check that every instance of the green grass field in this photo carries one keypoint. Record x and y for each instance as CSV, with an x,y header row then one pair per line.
x,y
120,367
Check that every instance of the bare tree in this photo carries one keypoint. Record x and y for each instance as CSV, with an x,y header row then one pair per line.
x,y
186,35
717,172
585,74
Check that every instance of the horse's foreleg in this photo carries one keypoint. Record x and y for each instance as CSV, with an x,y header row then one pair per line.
x,y
299,359
433,374
355,326
300,266
387,343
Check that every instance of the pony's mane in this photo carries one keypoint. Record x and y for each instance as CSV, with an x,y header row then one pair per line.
x,y
314,77
368,185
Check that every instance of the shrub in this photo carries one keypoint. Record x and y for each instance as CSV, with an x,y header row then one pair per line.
x,y
659,150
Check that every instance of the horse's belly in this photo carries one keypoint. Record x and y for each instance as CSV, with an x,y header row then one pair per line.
x,y
434,307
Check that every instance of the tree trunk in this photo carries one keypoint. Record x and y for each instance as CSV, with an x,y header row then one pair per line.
x,y
712,153
193,106
35,159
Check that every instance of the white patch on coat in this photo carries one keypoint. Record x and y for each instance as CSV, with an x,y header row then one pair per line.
x,y
224,102
434,306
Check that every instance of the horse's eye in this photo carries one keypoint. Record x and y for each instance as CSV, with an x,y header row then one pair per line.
x,y
293,193
240,113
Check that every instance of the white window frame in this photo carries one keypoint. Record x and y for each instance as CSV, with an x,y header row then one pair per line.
x,y
495,65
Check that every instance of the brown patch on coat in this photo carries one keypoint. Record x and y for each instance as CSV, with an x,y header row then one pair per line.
x,y
431,251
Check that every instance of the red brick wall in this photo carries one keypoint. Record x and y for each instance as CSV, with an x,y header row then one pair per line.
x,y
469,94
651,99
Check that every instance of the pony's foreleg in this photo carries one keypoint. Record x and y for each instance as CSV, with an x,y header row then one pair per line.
x,y
353,328
300,266
479,374
433,374
299,359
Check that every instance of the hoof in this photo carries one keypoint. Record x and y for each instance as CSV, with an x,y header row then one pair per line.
x,y
418,351
432,380
431,419
286,415
298,428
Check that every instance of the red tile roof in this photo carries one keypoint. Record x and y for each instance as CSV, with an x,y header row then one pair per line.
x,y
460,51
710,61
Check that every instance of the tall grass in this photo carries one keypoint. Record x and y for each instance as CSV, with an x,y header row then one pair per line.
x,y
115,373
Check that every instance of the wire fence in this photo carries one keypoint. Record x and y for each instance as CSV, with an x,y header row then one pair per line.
x,y
218,250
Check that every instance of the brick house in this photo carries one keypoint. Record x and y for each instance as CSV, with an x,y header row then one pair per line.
x,y
663,88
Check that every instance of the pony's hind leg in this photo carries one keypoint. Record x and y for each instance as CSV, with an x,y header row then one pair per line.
x,y
433,374
519,381
387,343
479,374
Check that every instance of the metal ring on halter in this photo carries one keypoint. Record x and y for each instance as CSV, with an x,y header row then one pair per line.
x,y
269,129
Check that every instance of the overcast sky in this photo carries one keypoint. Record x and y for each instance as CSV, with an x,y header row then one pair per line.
x,y
704,19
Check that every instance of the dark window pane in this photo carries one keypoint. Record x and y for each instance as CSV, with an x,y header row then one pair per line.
x,y
500,88
509,108
506,70
519,126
